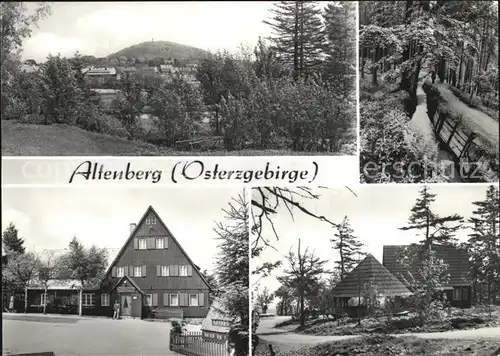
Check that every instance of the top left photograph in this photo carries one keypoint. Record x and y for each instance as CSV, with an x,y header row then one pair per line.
x,y
178,78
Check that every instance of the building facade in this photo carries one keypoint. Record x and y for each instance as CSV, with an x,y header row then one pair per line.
x,y
151,276
458,289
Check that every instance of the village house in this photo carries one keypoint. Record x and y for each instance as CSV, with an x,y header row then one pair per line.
x,y
99,75
457,291
368,276
151,276
216,326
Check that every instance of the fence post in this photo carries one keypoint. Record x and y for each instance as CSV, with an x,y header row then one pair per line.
x,y
271,350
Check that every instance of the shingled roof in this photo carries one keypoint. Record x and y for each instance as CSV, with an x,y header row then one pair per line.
x,y
456,258
370,271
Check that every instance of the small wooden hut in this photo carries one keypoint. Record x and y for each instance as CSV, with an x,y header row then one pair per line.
x,y
370,279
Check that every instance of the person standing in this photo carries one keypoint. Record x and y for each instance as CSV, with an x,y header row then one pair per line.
x,y
116,310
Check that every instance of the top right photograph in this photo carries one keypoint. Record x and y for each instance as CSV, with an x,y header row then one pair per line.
x,y
428,91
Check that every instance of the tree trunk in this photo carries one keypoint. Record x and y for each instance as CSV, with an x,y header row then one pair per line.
x,y
302,315
25,299
80,303
45,301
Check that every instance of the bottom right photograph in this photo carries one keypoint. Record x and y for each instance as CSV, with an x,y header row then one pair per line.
x,y
375,270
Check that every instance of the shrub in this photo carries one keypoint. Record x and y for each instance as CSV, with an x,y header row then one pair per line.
x,y
391,151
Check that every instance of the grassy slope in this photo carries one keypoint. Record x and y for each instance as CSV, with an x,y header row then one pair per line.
x,y
387,345
63,140
165,49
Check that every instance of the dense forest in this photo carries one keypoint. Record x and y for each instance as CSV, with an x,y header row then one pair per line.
x,y
294,91
451,45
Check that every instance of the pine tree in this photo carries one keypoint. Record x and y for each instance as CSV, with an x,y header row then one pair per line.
x,y
348,246
484,243
11,240
298,34
436,228
232,272
340,31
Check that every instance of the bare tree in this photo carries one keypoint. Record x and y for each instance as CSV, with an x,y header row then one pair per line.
x,y
22,269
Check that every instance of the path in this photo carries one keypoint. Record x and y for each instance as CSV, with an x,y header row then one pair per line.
x,y
25,333
285,335
422,123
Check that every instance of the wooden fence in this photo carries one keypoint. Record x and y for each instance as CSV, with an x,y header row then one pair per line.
x,y
468,154
193,344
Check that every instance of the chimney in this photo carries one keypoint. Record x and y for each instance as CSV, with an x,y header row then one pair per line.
x,y
132,227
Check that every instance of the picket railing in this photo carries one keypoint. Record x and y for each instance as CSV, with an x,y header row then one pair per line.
x,y
193,344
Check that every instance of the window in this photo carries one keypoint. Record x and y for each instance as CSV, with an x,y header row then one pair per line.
x,y
193,300
174,300
88,299
457,294
148,299
137,271
164,271
142,244
105,300
159,243
151,221
183,271
120,271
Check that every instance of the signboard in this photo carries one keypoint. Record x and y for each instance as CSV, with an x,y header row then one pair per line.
x,y
125,289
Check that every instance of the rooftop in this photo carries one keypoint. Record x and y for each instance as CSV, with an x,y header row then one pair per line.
x,y
456,258
370,271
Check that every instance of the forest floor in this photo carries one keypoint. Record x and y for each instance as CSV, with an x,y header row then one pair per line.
x,y
20,139
287,341
456,319
390,345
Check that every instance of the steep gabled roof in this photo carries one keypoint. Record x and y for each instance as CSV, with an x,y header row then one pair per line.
x,y
131,236
456,258
370,271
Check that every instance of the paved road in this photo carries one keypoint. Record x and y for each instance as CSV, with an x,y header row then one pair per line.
x,y
84,336
285,335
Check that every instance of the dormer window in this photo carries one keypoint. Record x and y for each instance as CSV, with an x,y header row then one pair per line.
x,y
151,221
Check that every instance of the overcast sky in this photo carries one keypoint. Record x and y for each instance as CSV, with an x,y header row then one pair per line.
x,y
375,215
102,28
48,218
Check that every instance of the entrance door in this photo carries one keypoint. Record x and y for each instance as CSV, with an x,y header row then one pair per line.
x,y
126,305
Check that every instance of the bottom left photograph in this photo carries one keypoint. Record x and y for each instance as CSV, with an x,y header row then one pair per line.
x,y
125,271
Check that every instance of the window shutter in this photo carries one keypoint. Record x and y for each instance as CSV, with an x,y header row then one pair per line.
x,y
132,272
113,272
150,243
158,270
168,271
126,271
182,299
174,270
102,299
165,299
136,244
155,300
201,299
189,270
165,242
143,271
